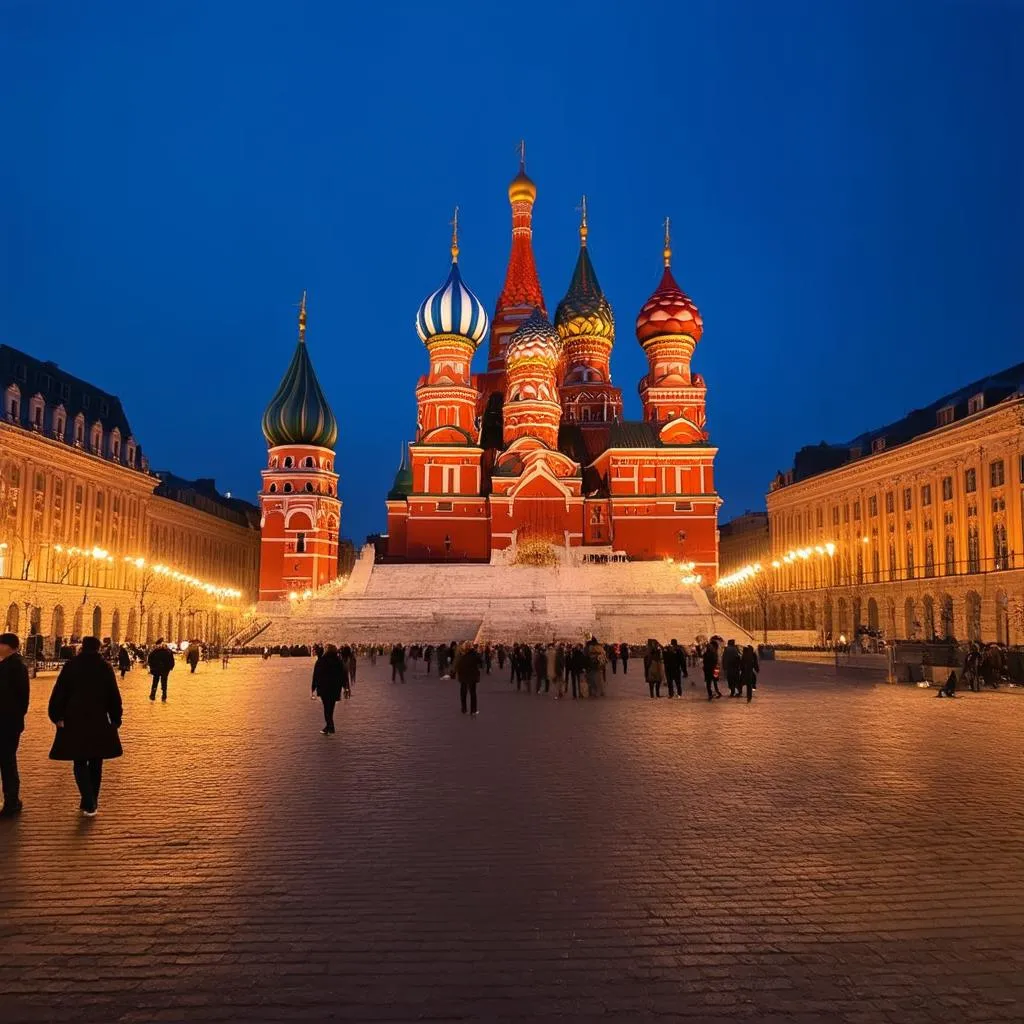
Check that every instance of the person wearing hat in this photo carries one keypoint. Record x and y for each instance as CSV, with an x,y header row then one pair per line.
x,y
13,707
86,708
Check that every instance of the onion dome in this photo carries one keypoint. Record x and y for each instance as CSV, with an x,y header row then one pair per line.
x,y
402,487
669,310
535,339
298,413
584,312
453,308
522,188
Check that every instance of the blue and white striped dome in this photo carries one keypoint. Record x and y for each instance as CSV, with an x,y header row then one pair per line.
x,y
452,309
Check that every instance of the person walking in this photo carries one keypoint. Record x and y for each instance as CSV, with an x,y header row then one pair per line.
x,y
731,668
654,668
594,658
124,660
192,658
161,665
398,662
85,706
561,666
612,654
540,668
14,693
330,678
624,655
710,663
467,671
748,671
348,658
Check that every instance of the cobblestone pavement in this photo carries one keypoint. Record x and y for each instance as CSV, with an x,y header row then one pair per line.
x,y
831,852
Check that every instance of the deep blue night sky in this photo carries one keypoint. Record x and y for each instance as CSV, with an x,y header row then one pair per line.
x,y
846,182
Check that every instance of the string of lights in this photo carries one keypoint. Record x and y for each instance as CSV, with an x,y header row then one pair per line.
x,y
748,572
99,554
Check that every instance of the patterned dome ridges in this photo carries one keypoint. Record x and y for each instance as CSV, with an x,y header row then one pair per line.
x,y
452,309
534,338
668,311
584,312
298,413
402,486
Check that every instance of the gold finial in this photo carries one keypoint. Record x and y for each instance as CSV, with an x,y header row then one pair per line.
x,y
455,236
522,154
667,252
302,318
583,221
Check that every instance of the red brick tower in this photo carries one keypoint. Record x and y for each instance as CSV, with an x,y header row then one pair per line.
x,y
299,499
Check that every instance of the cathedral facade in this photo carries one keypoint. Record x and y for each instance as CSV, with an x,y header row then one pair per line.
x,y
534,453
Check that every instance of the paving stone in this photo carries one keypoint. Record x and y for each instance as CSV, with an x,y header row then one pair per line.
x,y
831,852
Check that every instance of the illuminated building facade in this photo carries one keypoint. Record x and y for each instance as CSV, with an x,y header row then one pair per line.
x,y
534,452
92,542
921,523
301,512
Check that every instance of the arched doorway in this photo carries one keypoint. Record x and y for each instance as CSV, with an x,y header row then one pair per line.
x,y
58,625
844,618
115,626
946,616
76,625
890,616
827,617
928,617
13,618
150,632
1002,618
909,620
131,634
812,616
35,620
972,605
97,621
856,614
872,613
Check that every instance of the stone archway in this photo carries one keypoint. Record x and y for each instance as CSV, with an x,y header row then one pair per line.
x,y
57,630
910,623
97,621
115,626
826,617
872,613
1002,617
131,633
946,621
844,618
76,626
928,618
13,618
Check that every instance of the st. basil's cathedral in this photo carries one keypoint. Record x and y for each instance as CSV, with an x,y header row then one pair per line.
x,y
531,456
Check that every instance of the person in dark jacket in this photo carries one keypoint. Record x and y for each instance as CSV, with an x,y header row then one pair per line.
x,y
398,662
161,665
330,678
192,658
467,671
85,705
624,655
654,668
124,660
710,662
675,668
748,670
13,708
731,668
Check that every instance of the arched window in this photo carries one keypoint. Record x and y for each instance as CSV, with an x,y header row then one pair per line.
x,y
35,412
96,437
60,419
12,403
950,555
130,452
288,462
973,550
115,444
300,543
309,486
287,488
273,488
1000,552
308,462
273,462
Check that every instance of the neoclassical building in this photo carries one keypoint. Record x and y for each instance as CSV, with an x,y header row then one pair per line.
x,y
915,529
92,541
534,455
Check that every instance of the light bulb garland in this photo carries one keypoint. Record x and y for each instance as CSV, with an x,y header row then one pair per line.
x,y
748,572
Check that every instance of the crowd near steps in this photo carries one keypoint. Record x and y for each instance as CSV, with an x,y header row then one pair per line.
x,y
429,603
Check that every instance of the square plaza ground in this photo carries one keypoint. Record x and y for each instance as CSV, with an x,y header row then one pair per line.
x,y
832,852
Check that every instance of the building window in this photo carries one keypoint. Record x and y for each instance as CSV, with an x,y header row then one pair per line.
x,y
856,510
860,566
950,555
997,473
683,506
287,488
273,488
892,561
309,462
835,516
890,502
944,416
975,404
1000,552
908,499
846,512
873,506
288,462
65,392
947,488
876,568
973,550
926,495
878,444
104,409
929,557
300,543
444,506
820,518
910,559
970,480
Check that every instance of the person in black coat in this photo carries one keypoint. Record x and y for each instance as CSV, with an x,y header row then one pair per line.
x,y
711,670
86,708
161,665
398,662
330,678
467,671
124,660
748,670
13,708
624,655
